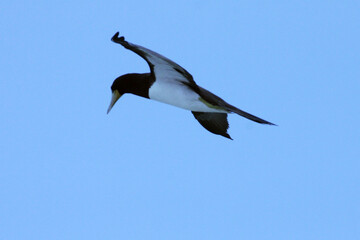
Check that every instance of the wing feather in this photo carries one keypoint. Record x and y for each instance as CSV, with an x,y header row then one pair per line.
x,y
213,122
161,67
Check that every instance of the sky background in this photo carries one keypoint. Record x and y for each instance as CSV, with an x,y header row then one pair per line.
x,y
149,170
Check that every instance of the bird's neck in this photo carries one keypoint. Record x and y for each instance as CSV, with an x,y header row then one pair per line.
x,y
139,84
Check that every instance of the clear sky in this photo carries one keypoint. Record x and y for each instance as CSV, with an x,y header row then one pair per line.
x,y
149,170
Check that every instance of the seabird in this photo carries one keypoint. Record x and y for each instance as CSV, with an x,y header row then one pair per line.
x,y
169,83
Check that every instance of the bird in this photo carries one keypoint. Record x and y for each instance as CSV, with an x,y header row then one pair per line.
x,y
170,83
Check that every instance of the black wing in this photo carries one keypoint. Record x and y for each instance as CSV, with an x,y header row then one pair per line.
x,y
214,122
218,102
162,68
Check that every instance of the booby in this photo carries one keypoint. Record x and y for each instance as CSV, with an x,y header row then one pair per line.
x,y
169,83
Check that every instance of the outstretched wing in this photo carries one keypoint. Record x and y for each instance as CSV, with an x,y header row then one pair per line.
x,y
213,122
161,67
220,103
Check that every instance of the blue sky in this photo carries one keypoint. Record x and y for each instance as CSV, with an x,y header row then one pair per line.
x,y
150,171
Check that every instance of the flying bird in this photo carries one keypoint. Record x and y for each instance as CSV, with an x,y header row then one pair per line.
x,y
169,83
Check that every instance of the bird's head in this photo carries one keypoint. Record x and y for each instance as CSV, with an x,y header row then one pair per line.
x,y
118,88
134,83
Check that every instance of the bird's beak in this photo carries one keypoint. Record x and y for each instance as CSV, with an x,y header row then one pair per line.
x,y
115,96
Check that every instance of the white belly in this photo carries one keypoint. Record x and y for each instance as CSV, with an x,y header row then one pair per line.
x,y
179,95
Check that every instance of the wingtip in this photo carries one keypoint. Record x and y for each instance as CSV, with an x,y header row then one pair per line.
x,y
117,39
227,136
266,122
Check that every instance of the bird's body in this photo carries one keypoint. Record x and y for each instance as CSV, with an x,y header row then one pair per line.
x,y
179,95
170,83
